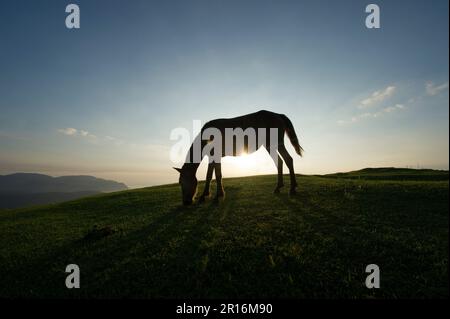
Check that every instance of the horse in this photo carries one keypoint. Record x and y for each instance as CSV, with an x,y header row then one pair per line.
x,y
252,127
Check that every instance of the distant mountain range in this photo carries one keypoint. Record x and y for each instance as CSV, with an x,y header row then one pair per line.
x,y
23,189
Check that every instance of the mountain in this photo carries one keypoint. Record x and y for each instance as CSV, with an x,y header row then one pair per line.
x,y
22,189
39,183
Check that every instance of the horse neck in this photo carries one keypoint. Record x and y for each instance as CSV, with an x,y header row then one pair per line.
x,y
192,167
191,162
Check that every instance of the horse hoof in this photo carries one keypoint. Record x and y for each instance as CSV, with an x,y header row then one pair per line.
x,y
276,191
292,191
201,199
221,194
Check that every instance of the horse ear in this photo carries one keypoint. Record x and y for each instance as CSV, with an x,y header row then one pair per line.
x,y
178,169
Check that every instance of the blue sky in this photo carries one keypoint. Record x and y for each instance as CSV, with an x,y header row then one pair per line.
x,y
135,70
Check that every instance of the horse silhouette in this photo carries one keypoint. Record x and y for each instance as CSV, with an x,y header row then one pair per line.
x,y
263,128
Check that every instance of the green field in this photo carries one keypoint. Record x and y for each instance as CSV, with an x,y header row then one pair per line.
x,y
315,244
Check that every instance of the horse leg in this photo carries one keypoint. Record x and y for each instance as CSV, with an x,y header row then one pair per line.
x,y
279,164
207,182
290,164
218,170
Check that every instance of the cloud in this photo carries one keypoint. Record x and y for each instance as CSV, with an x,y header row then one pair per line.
x,y
108,140
68,131
369,115
390,109
377,97
114,140
435,89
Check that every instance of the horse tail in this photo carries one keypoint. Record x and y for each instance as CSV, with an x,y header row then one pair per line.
x,y
289,128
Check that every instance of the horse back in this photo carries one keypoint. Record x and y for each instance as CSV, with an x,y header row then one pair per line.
x,y
261,119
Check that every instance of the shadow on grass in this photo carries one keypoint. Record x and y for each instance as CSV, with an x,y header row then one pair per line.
x,y
313,244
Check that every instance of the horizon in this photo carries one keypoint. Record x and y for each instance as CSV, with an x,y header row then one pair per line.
x,y
243,176
102,100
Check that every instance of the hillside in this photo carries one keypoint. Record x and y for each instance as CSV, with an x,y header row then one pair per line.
x,y
392,173
24,189
142,243
39,183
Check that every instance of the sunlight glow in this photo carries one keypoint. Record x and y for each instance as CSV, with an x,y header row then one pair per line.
x,y
250,164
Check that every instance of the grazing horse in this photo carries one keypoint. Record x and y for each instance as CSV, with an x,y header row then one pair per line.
x,y
259,123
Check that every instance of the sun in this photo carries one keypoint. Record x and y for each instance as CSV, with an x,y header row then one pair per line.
x,y
249,164
244,161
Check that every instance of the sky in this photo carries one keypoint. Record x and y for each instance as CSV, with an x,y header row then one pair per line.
x,y
103,100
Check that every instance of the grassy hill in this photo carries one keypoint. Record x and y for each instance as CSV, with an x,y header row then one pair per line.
x,y
391,173
142,243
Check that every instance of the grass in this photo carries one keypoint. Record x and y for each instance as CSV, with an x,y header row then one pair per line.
x,y
252,244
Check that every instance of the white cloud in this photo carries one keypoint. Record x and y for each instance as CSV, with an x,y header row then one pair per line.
x,y
377,97
368,115
68,131
114,140
390,109
435,89
88,135
143,150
